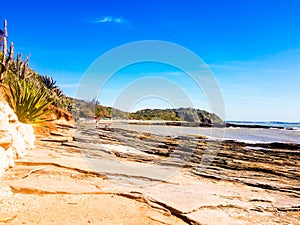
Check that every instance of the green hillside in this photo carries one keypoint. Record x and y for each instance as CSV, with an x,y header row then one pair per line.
x,y
94,109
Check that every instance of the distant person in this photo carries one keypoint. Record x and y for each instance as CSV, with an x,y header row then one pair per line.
x,y
97,123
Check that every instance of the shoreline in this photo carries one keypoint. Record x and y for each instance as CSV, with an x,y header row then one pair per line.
x,y
238,134
230,124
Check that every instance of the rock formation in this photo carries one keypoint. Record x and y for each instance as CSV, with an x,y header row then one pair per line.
x,y
15,137
181,114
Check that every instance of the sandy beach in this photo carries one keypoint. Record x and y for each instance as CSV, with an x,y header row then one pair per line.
x,y
150,112
84,176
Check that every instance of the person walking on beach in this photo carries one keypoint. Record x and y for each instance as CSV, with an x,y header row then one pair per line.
x,y
96,124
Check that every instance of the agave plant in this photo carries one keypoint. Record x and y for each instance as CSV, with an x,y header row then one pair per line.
x,y
49,82
59,93
28,102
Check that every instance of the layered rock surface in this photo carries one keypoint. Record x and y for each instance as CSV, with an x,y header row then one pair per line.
x,y
183,180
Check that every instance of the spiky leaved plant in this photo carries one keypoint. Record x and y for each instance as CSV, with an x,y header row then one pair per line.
x,y
49,82
29,102
59,93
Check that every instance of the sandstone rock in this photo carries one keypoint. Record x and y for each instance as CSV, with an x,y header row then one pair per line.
x,y
3,160
26,137
10,157
5,139
15,137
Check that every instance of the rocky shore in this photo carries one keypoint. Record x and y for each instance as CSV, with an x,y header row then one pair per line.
x,y
117,176
202,124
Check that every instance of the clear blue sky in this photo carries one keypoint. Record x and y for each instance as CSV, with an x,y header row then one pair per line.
x,y
252,47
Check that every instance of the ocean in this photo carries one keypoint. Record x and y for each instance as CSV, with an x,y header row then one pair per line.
x,y
287,125
248,135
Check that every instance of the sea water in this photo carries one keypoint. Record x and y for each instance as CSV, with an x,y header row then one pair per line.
x,y
287,125
249,135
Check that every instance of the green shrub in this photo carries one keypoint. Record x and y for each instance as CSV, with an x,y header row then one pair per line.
x,y
29,102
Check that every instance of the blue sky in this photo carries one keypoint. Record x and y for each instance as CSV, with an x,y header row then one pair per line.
x,y
252,47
